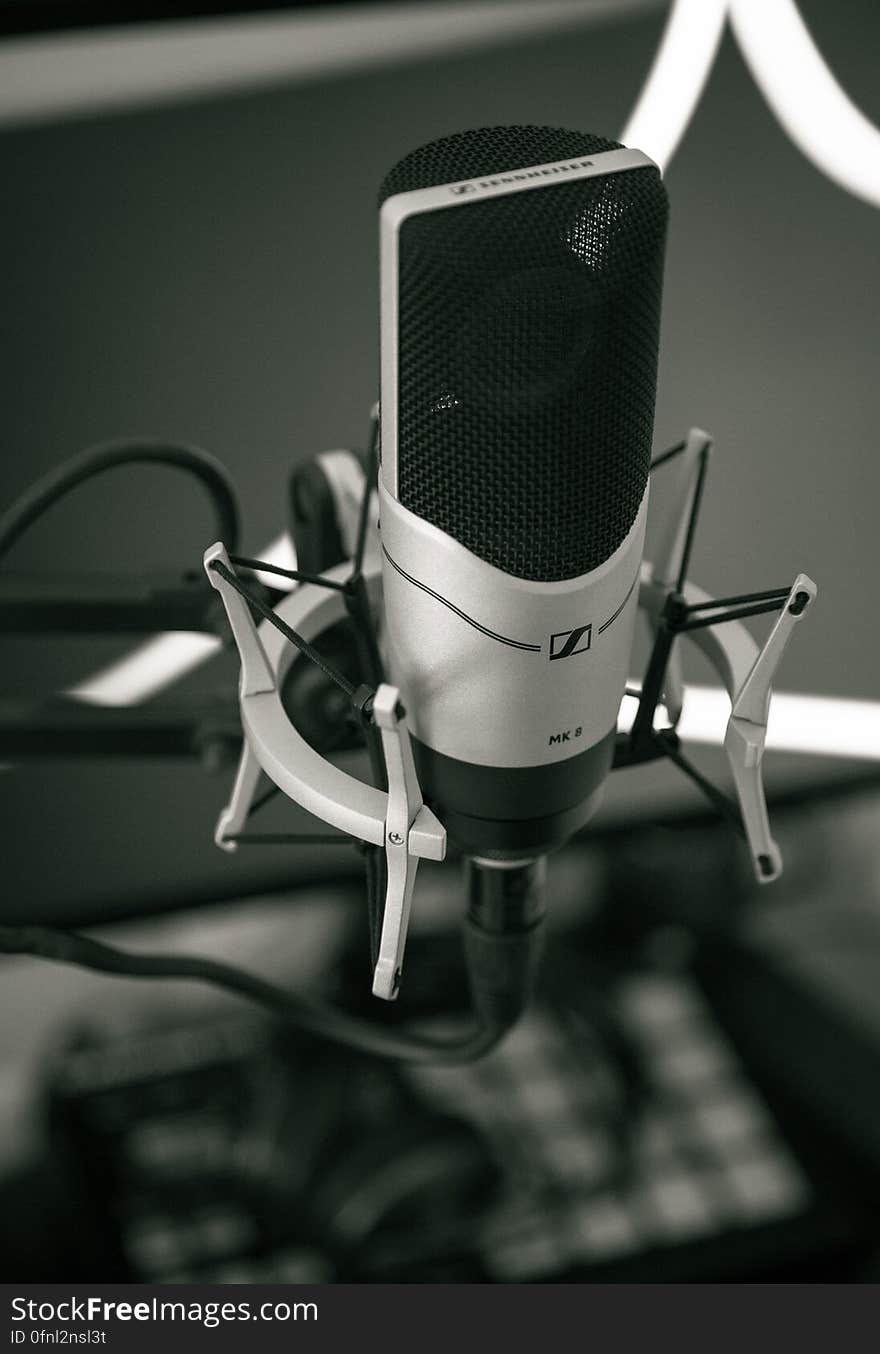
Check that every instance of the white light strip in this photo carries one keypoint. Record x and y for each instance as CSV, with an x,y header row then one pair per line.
x,y
148,669
804,95
167,658
819,726
282,553
787,67
58,74
678,75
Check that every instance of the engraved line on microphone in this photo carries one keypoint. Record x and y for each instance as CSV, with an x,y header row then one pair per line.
x,y
492,634
612,619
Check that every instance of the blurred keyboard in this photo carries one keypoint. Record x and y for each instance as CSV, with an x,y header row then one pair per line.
x,y
213,1155
705,1159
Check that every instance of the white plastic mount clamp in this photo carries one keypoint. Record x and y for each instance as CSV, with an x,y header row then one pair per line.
x,y
747,673
397,819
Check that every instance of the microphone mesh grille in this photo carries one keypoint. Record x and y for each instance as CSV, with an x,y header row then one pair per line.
x,y
527,353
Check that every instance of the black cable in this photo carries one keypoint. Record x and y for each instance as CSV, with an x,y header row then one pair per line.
x,y
289,633
727,807
370,471
766,595
129,451
315,1017
652,685
260,565
692,519
671,623
268,794
737,614
665,456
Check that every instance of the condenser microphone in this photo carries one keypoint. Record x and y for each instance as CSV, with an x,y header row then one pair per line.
x,y
521,277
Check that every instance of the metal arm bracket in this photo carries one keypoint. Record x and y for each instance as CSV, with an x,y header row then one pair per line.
x,y
409,826
747,732
397,820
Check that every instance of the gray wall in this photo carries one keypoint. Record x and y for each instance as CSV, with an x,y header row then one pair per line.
x,y
209,273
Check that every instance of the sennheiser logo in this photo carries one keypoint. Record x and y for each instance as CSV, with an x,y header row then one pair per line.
x,y
520,176
566,643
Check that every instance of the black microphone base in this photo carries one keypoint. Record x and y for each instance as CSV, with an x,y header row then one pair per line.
x,y
509,813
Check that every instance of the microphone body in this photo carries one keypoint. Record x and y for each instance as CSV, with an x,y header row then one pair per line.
x,y
521,271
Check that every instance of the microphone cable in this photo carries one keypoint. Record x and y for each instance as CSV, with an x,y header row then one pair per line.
x,y
501,954
94,460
